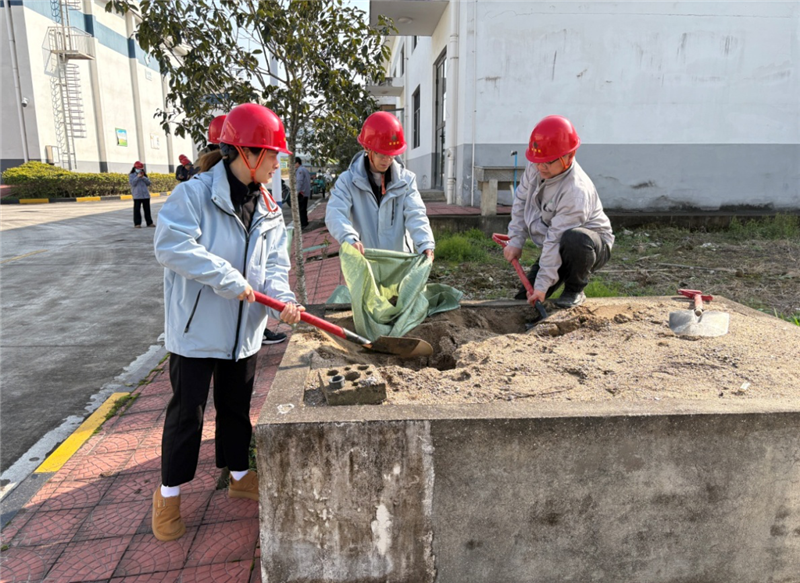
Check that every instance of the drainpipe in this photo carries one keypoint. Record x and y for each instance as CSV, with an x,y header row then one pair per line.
x,y
452,102
12,43
474,96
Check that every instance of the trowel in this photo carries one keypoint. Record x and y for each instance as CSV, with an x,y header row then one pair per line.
x,y
401,347
697,321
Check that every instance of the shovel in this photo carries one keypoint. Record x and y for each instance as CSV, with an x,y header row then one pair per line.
x,y
502,240
698,322
402,347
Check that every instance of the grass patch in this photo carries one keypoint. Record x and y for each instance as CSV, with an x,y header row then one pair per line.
x,y
599,289
470,246
781,226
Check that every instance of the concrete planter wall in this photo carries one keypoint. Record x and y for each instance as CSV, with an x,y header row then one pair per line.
x,y
511,492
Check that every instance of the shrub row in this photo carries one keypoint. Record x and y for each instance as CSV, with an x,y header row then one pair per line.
x,y
39,180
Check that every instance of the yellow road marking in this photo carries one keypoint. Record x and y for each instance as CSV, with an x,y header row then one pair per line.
x,y
21,256
126,197
73,443
34,201
155,194
87,198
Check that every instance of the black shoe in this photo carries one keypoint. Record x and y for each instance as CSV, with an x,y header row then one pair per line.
x,y
273,337
522,294
570,299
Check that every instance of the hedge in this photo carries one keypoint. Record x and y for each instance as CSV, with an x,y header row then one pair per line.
x,y
39,180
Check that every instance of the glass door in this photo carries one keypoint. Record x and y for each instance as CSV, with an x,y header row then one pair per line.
x,y
440,113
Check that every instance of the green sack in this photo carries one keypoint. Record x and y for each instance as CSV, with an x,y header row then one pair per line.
x,y
389,291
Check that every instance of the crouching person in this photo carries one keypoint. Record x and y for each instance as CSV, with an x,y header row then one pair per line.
x,y
219,238
557,205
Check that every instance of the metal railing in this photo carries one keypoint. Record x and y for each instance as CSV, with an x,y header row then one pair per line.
x,y
70,42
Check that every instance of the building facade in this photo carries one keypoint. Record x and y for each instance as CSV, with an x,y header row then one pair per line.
x,y
78,91
679,105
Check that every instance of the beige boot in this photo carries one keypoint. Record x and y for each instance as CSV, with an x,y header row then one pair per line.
x,y
247,487
167,522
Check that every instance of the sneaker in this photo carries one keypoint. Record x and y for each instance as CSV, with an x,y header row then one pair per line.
x,y
570,299
247,487
137,226
152,225
273,337
167,522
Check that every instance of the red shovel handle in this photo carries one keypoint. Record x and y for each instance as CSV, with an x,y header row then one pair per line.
x,y
502,240
314,321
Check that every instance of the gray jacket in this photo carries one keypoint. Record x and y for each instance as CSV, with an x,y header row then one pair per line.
x,y
139,185
545,209
208,257
399,224
303,178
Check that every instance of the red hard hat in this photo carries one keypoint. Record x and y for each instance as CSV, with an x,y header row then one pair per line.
x,y
183,159
254,126
215,128
382,133
138,164
553,137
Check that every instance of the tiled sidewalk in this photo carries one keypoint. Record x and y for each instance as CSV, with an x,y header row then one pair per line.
x,y
91,520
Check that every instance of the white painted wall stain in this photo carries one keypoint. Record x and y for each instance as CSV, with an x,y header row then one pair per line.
x,y
382,530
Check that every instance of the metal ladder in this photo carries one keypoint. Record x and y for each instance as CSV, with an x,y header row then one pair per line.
x,y
66,44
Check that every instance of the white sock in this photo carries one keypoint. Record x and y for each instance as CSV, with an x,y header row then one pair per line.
x,y
239,475
170,491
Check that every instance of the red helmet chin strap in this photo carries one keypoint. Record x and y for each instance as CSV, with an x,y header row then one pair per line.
x,y
270,203
252,169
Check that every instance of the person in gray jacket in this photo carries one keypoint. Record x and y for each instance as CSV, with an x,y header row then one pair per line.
x,y
220,237
303,185
375,204
141,195
557,205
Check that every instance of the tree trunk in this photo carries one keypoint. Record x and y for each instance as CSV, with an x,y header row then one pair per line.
x,y
297,238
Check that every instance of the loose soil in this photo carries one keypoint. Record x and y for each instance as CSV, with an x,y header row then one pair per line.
x,y
606,349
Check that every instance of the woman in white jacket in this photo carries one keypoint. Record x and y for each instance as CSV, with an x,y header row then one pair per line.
x,y
220,236
375,203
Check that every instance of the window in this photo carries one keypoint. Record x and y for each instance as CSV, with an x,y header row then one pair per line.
x,y
415,114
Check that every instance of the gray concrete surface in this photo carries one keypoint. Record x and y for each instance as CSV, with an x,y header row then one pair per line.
x,y
518,492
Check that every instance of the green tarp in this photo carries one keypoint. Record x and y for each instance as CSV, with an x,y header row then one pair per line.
x,y
389,291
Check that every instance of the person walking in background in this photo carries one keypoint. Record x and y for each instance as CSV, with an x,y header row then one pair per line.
x,y
220,237
141,195
375,203
186,170
557,205
303,184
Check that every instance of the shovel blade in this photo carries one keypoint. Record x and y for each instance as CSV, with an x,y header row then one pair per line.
x,y
402,347
709,324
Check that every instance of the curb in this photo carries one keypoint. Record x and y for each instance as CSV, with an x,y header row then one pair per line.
x,y
77,199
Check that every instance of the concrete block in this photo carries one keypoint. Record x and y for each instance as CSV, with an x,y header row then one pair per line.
x,y
352,385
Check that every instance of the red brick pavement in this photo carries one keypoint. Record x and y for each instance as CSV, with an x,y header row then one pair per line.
x,y
91,520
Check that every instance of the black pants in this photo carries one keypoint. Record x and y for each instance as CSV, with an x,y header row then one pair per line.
x,y
303,208
137,216
183,426
582,253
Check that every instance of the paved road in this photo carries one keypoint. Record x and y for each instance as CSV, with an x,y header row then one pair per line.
x,y
80,300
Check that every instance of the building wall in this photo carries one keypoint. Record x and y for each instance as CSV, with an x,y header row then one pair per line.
x,y
679,105
107,95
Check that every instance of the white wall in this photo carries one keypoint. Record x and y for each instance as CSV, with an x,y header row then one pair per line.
x,y
641,72
37,69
